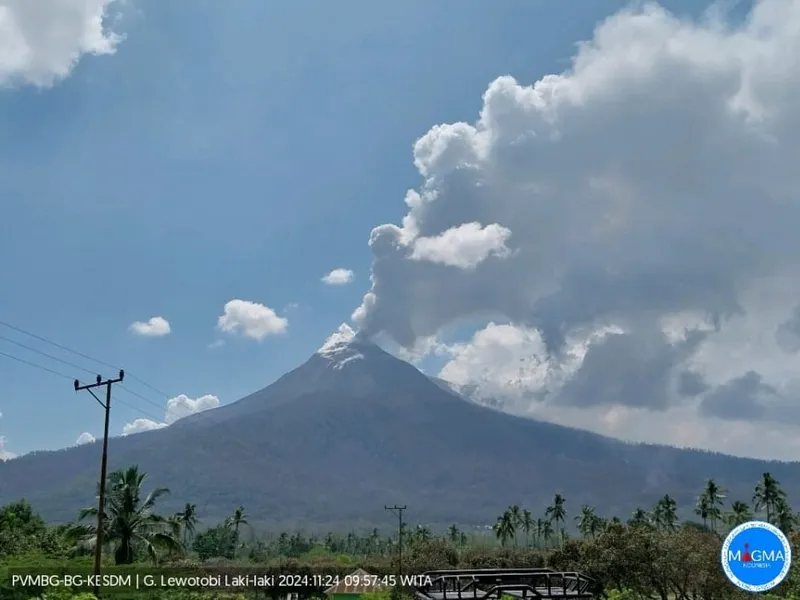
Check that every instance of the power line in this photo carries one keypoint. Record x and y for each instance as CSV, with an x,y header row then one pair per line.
x,y
138,395
81,354
53,372
74,366
61,360
57,345
29,363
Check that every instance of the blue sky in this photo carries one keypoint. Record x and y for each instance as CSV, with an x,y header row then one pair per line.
x,y
236,150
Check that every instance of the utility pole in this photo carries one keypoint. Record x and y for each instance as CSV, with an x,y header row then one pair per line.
x,y
398,510
98,551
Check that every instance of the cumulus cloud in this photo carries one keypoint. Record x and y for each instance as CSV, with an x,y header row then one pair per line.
x,y
140,425
154,327
84,438
177,408
4,453
651,188
251,319
465,246
339,277
43,40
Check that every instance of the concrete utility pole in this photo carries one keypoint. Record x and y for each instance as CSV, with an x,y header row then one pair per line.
x,y
98,551
398,510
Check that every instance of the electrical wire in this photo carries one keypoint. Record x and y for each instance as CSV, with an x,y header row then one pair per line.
x,y
59,374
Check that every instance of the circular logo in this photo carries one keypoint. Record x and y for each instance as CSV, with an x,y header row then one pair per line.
x,y
756,556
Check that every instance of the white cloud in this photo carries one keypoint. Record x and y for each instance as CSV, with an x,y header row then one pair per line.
x,y
183,406
140,425
5,454
339,277
651,187
84,438
177,408
43,40
465,246
251,319
216,344
154,327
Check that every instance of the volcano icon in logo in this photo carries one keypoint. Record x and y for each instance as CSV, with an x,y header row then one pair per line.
x,y
756,556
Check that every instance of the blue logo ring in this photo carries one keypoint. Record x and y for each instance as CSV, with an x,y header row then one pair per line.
x,y
765,565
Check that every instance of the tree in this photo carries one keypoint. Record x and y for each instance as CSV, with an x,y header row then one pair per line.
x,y
236,520
768,494
739,513
131,525
187,519
516,516
547,531
703,509
453,534
557,512
710,502
527,524
216,542
639,518
504,528
587,521
665,513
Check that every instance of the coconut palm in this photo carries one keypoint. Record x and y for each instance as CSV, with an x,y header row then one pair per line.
x,y
557,512
712,498
504,528
516,516
739,513
453,534
586,521
665,513
131,526
187,519
527,524
639,518
236,520
768,494
547,532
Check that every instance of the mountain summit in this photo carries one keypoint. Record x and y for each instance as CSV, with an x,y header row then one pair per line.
x,y
354,428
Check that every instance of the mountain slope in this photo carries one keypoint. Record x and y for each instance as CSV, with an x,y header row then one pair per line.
x,y
353,429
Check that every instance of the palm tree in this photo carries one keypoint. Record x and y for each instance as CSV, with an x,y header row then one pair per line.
x,y
557,512
516,517
131,525
703,508
539,532
504,528
639,518
768,495
453,534
740,513
527,525
665,513
423,533
712,498
547,532
187,519
784,517
586,520
236,520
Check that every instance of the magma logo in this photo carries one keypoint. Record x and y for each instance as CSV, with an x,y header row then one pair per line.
x,y
756,556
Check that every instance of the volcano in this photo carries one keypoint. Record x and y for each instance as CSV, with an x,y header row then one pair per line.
x,y
353,429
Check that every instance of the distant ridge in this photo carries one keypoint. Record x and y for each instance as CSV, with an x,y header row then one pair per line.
x,y
354,428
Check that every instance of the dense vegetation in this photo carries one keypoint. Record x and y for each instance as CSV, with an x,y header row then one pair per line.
x,y
649,555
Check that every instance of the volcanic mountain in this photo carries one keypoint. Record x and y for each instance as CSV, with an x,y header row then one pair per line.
x,y
354,428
